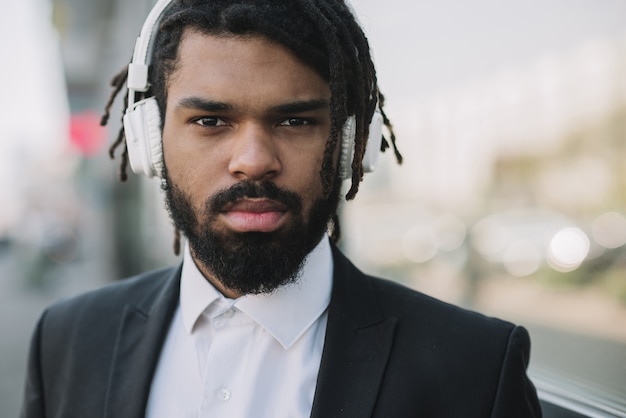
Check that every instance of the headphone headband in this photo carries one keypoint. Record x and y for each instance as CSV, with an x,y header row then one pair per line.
x,y
138,68
142,121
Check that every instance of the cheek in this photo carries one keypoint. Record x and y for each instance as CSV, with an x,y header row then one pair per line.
x,y
171,151
307,174
190,161
186,173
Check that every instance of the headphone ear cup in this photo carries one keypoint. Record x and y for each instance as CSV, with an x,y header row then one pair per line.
x,y
142,128
372,150
374,141
348,132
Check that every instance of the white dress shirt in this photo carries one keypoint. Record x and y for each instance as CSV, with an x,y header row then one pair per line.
x,y
254,356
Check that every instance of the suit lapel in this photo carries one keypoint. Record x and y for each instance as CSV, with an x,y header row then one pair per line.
x,y
356,349
141,333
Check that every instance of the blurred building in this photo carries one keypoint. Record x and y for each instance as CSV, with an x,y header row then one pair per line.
x,y
544,146
97,39
34,112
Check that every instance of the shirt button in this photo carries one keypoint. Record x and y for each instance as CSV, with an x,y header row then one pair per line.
x,y
224,394
229,313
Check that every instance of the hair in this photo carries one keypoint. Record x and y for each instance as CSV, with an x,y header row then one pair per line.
x,y
321,33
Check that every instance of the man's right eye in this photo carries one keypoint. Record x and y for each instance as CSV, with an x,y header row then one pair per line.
x,y
209,121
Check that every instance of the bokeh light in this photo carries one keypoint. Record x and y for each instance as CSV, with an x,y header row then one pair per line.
x,y
419,244
568,249
521,258
609,230
451,232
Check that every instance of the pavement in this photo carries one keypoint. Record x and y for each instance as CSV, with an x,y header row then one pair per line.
x,y
23,297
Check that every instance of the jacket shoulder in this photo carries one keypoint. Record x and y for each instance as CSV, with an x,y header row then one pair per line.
x,y
109,301
399,300
130,289
382,298
444,360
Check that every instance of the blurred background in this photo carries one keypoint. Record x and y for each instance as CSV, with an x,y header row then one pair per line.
x,y
511,117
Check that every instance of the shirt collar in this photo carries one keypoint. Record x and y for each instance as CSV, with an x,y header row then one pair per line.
x,y
286,313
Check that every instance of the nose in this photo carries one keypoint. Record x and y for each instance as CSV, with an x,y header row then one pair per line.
x,y
254,154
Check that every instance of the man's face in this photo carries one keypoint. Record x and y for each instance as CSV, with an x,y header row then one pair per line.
x,y
244,134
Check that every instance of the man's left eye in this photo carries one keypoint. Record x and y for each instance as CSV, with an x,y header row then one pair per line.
x,y
295,122
209,121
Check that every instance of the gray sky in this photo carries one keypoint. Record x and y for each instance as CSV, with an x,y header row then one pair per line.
x,y
424,47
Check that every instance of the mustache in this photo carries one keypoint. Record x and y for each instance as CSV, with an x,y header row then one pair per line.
x,y
248,189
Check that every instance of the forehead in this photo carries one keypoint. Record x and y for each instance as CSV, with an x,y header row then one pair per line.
x,y
250,67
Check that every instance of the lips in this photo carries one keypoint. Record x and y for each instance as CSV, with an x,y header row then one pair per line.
x,y
254,215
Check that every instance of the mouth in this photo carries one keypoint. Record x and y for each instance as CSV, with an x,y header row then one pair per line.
x,y
254,215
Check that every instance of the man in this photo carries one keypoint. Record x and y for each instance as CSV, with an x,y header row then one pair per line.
x,y
261,108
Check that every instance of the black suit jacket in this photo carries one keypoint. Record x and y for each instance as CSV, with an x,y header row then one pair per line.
x,y
389,352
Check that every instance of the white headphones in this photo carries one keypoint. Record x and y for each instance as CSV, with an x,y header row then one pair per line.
x,y
142,119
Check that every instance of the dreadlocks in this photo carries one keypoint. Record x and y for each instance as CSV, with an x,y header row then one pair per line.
x,y
321,33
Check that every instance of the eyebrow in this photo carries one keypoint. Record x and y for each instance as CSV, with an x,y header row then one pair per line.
x,y
297,106
203,104
301,106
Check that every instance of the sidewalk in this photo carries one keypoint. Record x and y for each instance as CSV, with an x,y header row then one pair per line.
x,y
22,305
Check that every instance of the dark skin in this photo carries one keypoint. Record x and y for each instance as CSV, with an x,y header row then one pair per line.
x,y
244,108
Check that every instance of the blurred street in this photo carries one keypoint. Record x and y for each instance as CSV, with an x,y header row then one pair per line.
x,y
582,359
22,302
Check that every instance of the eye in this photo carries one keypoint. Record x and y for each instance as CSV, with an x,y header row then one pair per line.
x,y
296,122
209,121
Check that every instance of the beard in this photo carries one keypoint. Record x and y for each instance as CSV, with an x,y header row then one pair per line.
x,y
250,262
